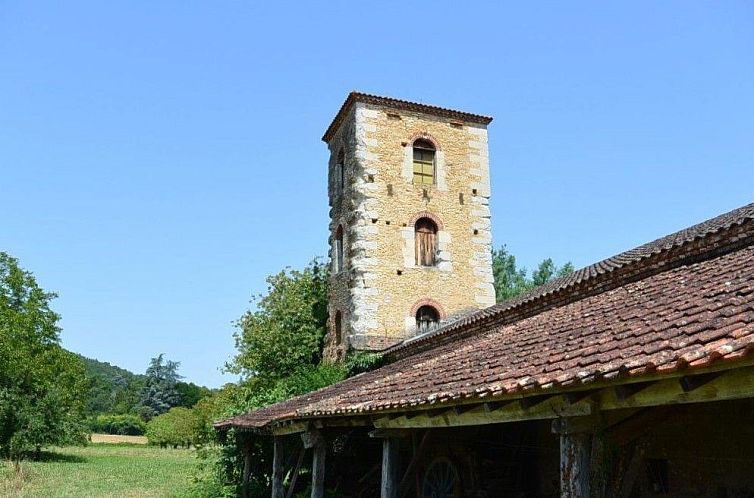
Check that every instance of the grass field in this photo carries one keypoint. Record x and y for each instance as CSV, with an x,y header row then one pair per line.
x,y
101,470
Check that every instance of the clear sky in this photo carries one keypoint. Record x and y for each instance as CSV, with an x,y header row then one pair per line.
x,y
158,159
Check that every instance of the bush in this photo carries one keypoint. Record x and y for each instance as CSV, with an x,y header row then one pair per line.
x,y
122,425
178,427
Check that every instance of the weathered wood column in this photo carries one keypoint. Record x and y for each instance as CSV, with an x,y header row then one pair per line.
x,y
390,468
314,439
246,446
277,468
575,457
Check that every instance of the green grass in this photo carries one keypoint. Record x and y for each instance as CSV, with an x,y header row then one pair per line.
x,y
101,470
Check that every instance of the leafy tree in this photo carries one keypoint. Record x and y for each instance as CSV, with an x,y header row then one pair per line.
x,y
287,329
510,281
160,392
189,393
41,385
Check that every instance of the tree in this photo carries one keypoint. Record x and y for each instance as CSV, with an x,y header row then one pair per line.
x,y
189,393
510,281
160,392
286,332
42,386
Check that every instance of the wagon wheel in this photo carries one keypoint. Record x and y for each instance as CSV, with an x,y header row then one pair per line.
x,y
441,480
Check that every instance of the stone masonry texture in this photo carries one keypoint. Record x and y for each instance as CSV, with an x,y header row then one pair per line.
x,y
379,287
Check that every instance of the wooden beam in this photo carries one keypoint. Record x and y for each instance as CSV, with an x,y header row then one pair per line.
x,y
733,384
530,402
418,452
625,391
633,469
395,433
576,396
277,467
296,471
479,414
390,467
299,426
495,405
692,382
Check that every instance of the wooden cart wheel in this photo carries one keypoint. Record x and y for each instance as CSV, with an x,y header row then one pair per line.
x,y
441,480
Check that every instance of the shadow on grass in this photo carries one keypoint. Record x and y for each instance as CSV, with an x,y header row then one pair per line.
x,y
51,456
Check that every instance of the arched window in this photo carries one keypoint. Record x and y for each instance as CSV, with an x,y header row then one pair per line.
x,y
338,327
425,234
424,162
338,250
340,172
427,318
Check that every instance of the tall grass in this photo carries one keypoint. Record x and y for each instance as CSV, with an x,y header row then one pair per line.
x,y
101,470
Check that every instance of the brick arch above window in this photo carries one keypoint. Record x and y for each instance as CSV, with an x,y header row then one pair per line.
x,y
428,302
424,136
426,214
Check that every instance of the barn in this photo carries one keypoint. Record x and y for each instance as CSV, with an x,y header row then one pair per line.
x,y
632,377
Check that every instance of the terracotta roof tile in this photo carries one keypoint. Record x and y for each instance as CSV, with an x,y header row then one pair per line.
x,y
694,308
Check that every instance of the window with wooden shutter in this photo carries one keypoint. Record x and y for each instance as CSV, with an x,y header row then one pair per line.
x,y
425,233
424,162
338,252
427,318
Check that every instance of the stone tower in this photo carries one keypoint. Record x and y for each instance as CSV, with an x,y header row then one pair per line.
x,y
410,232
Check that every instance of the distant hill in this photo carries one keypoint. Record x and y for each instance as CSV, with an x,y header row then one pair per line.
x,y
112,389
117,390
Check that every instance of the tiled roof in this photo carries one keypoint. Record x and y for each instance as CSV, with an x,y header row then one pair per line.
x,y
403,105
662,253
687,302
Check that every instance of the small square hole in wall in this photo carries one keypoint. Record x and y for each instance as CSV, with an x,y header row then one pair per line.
x,y
473,191
370,178
374,220
460,198
476,232
387,222
399,272
404,225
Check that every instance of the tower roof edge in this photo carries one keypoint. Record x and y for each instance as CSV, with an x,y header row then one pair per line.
x,y
355,97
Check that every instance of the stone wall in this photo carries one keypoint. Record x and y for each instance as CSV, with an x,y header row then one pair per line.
x,y
380,283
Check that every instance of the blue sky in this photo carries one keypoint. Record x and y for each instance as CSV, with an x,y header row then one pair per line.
x,y
159,159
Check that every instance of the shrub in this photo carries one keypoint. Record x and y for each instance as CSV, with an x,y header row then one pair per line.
x,y
178,427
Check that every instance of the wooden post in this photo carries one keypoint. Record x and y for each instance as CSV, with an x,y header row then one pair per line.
x,y
390,467
314,439
277,468
318,470
246,491
575,457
